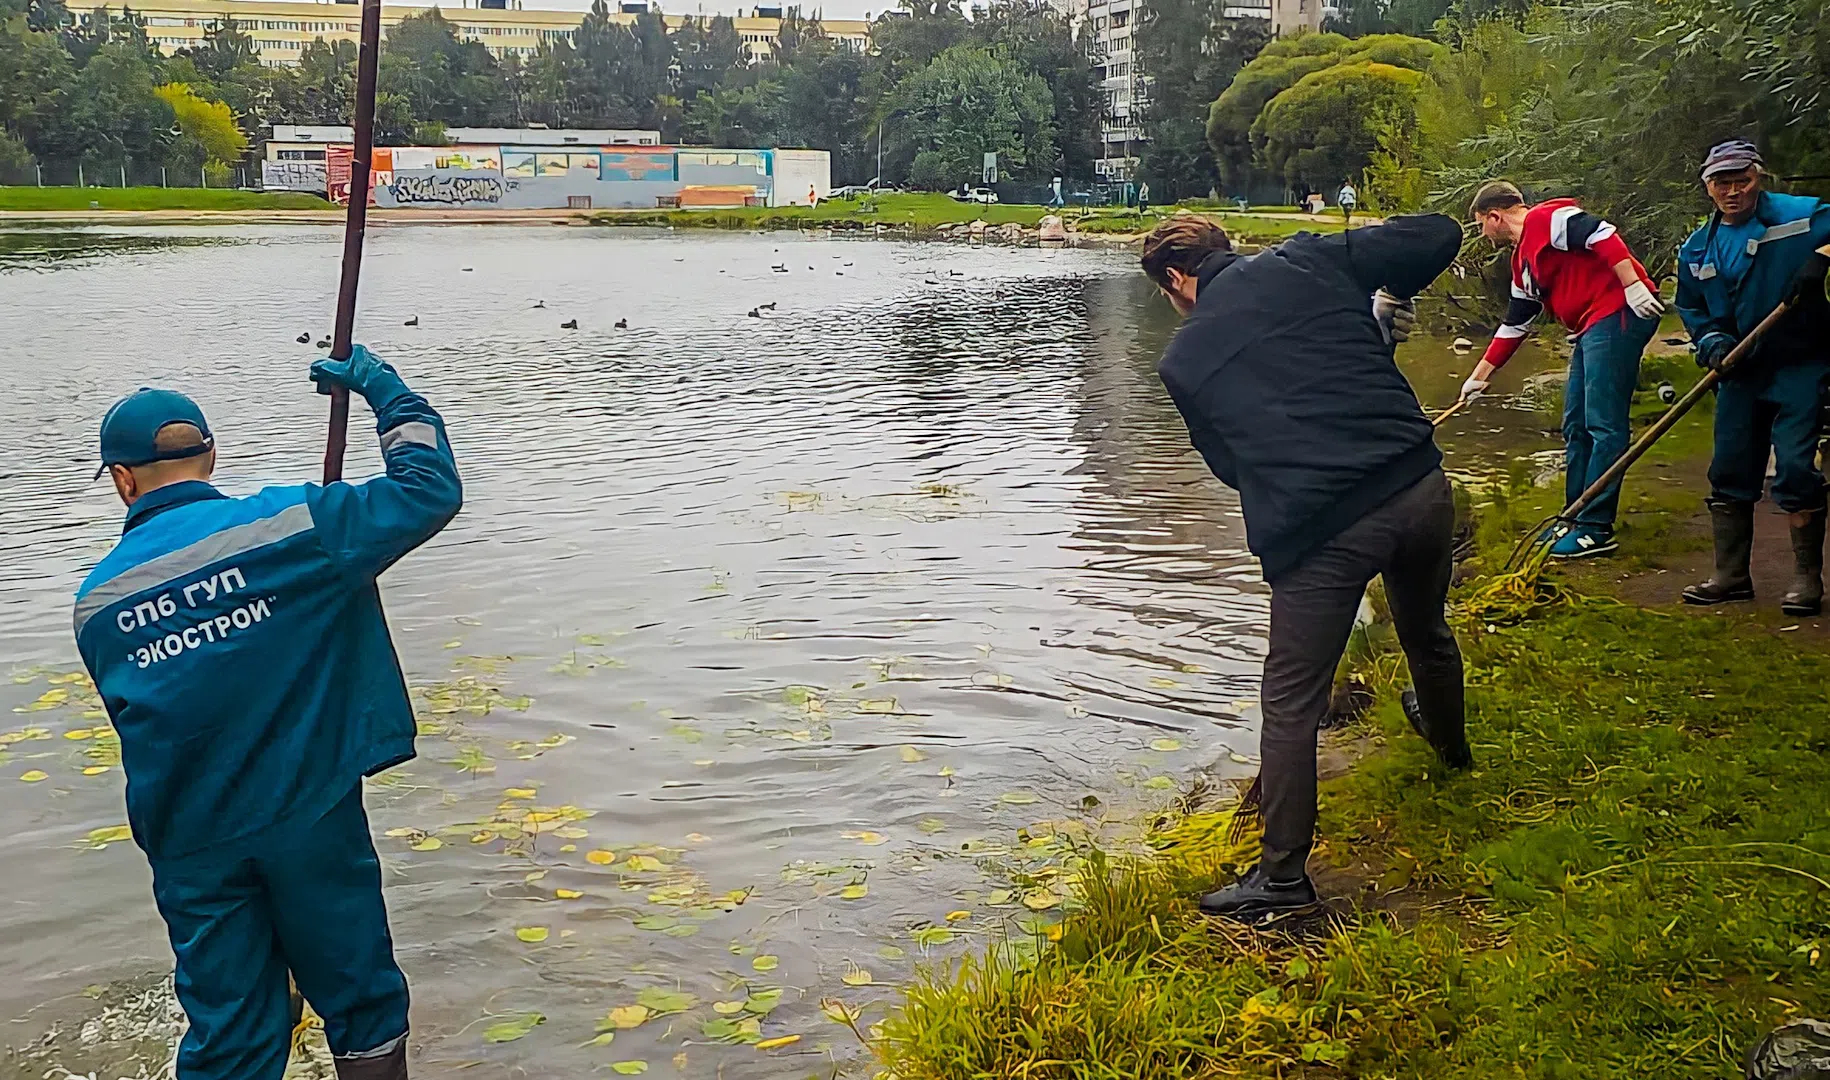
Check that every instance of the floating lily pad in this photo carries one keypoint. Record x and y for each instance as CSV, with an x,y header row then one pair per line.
x,y
765,962
510,1030
533,935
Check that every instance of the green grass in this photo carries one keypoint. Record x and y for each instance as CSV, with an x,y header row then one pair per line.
x,y
152,198
1631,883
925,213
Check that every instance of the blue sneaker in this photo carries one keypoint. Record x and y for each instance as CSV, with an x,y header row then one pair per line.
x,y
1584,542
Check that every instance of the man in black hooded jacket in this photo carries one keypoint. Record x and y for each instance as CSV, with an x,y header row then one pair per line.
x,y
1284,373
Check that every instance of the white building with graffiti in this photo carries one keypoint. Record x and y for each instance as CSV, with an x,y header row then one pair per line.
x,y
542,177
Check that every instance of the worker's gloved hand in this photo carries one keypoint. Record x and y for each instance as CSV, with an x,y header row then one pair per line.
x,y
1809,278
1713,348
363,373
1474,387
1396,318
1643,302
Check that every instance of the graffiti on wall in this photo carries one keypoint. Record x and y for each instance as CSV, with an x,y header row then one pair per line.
x,y
294,176
446,190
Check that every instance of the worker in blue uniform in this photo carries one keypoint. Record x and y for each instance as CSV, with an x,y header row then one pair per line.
x,y
240,649
1757,249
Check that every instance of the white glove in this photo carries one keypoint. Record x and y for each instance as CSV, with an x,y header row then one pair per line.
x,y
1473,387
1395,317
1643,303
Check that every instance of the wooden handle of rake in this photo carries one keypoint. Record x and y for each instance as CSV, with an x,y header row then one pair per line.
x,y
1674,414
1438,419
355,227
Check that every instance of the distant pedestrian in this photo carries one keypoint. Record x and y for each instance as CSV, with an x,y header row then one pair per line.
x,y
1143,198
1576,264
1349,199
813,197
1756,250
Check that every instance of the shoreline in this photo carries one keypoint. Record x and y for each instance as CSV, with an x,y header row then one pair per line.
x,y
1005,225
1629,883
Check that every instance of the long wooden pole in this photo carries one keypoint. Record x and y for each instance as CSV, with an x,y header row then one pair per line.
x,y
1673,414
355,226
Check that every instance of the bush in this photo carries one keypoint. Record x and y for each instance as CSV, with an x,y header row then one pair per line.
x,y
17,165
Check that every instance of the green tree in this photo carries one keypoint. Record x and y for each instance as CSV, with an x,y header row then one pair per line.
x,y
17,165
1193,54
326,82
1327,127
208,134
225,47
1037,37
111,116
707,53
439,77
970,101
820,102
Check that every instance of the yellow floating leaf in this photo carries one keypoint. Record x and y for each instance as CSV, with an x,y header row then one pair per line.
x,y
401,832
510,1030
856,976
570,832
946,770
1165,746
567,894
32,776
427,843
519,793
627,1016
867,838
629,1068
95,770
604,1038
1017,798
110,835
766,962
1040,899
568,848
533,876
641,864
79,734
533,935
727,1008
854,892
912,755
957,916
878,705
453,644
600,857
482,836
778,1043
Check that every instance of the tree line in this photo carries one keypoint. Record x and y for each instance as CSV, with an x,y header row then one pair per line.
x,y
1417,101
936,91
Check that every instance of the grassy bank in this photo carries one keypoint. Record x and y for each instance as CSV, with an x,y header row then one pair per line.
x,y
927,213
1631,883
152,198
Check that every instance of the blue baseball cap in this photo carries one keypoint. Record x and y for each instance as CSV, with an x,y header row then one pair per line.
x,y
132,426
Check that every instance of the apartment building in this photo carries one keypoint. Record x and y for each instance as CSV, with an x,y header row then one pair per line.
x,y
282,28
1113,25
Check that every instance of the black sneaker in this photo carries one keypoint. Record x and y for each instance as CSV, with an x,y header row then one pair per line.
x,y
1456,757
1255,896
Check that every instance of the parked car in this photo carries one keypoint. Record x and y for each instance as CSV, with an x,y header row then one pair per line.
x,y
852,191
975,195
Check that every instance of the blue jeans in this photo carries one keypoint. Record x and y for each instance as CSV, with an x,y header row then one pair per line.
x,y
308,900
1596,401
1775,407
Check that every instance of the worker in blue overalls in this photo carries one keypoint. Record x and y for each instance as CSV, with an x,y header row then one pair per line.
x,y
1758,249
240,649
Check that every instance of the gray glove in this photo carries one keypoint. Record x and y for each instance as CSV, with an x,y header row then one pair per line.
x,y
1396,318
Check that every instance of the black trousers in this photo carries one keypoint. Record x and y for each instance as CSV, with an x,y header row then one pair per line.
x,y
1409,540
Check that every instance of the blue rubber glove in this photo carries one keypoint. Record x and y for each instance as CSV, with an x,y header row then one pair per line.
x,y
1713,349
363,373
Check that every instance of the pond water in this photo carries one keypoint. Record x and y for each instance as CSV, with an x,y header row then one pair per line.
x,y
771,651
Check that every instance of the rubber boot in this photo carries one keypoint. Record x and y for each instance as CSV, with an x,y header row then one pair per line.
x,y
1806,597
389,1066
1733,525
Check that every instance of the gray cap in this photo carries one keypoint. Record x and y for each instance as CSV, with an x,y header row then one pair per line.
x,y
1734,155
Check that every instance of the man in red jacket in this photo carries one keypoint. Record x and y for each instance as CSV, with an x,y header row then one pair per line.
x,y
1576,264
